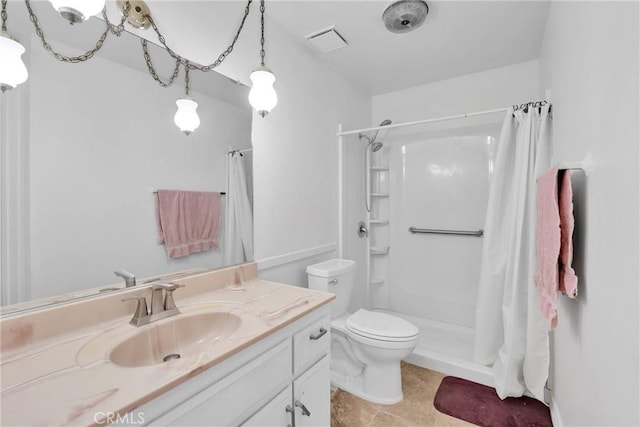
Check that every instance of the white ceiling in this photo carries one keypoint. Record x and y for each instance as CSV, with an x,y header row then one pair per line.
x,y
458,37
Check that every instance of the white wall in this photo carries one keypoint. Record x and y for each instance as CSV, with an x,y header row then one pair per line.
x,y
487,90
101,135
296,153
590,62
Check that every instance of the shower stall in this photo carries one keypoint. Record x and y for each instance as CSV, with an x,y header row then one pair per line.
x,y
423,211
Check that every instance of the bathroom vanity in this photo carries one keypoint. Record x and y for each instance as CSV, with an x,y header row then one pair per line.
x,y
250,354
283,377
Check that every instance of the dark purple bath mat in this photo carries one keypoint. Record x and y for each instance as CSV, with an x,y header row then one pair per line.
x,y
480,405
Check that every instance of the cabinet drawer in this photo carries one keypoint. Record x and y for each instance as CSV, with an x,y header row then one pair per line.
x,y
311,343
238,395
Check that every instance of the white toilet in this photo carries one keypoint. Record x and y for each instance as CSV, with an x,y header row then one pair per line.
x,y
367,346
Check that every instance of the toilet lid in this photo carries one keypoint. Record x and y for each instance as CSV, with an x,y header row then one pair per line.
x,y
381,325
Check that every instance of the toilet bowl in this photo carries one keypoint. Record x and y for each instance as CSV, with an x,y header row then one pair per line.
x,y
366,346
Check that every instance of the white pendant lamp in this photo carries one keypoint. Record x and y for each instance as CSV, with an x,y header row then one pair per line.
x,y
186,117
13,71
78,10
262,96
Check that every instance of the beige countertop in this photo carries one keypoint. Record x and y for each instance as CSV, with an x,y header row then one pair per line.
x,y
55,374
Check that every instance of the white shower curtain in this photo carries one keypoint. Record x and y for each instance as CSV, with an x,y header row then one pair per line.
x,y
239,246
511,333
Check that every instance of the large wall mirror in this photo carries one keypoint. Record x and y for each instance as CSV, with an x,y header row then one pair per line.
x,y
84,147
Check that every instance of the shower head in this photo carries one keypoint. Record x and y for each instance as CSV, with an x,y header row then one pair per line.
x,y
372,141
375,146
385,122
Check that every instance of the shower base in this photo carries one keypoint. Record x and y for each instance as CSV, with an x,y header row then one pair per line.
x,y
445,348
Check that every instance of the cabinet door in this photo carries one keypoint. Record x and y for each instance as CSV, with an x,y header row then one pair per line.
x,y
312,396
236,396
276,413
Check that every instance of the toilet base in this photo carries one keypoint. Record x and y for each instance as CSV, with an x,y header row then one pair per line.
x,y
358,386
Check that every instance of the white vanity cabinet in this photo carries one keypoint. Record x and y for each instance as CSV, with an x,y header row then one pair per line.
x,y
281,380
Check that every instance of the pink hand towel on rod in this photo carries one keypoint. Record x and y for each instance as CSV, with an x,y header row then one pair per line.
x,y
548,245
568,281
188,221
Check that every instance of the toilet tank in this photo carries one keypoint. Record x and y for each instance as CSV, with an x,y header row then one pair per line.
x,y
337,277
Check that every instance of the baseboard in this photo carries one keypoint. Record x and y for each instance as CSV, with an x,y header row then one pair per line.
x,y
555,413
275,261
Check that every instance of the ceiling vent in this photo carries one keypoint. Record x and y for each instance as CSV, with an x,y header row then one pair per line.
x,y
327,40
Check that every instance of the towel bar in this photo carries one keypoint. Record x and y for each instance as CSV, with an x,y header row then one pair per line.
x,y
476,233
222,193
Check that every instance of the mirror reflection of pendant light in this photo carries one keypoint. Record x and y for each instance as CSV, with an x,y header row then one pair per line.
x,y
262,96
78,10
186,117
13,71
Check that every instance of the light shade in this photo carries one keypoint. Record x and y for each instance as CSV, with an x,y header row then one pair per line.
x,y
13,71
78,10
262,96
186,117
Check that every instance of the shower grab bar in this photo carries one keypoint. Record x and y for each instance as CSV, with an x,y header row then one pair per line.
x,y
478,233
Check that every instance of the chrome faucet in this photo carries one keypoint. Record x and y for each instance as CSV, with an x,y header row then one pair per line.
x,y
162,304
129,278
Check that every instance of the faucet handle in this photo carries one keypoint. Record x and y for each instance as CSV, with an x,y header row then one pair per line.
x,y
141,309
167,286
169,303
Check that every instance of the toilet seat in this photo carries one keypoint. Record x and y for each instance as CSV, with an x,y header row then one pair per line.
x,y
381,327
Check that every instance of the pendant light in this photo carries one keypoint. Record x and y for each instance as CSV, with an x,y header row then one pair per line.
x,y
186,117
78,10
13,71
262,96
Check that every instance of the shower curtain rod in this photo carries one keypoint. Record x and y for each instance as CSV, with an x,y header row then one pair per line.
x,y
419,122
243,150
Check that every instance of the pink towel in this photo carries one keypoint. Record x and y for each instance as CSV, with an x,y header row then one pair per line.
x,y
548,245
568,280
188,221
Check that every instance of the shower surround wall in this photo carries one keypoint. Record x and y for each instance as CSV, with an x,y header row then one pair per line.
x,y
438,184
439,179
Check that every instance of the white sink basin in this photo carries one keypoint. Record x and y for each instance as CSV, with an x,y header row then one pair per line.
x,y
174,338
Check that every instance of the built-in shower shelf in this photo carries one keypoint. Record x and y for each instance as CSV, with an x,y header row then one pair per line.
x,y
378,169
379,195
377,282
379,250
379,221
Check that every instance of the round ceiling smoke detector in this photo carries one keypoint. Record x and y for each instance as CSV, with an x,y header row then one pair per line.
x,y
405,15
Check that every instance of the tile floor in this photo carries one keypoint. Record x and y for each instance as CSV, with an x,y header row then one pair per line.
x,y
419,386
